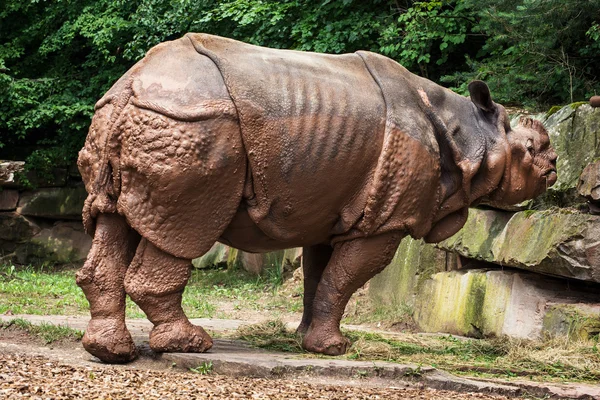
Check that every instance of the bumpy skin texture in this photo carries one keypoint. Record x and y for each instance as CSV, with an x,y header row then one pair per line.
x,y
211,139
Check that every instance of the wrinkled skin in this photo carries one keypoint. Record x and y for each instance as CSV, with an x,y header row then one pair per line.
x,y
210,139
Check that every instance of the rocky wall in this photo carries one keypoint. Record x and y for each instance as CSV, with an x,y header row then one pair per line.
x,y
41,226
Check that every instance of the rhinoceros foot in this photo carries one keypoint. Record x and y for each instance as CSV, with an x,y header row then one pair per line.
x,y
302,329
179,336
109,340
325,342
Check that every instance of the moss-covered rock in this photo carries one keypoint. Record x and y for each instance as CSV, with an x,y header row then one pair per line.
x,y
16,228
476,239
557,242
463,302
216,257
577,322
574,132
413,263
222,256
55,203
64,242
493,303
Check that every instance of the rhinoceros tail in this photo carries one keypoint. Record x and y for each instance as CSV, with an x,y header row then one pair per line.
x,y
98,161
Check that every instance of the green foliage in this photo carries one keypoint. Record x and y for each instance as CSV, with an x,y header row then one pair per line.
x,y
430,33
536,51
58,58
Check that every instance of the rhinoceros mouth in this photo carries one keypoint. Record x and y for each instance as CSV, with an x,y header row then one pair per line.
x,y
550,177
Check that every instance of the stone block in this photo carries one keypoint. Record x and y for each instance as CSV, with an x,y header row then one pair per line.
x,y
413,263
481,303
55,203
216,257
64,242
16,228
574,132
557,242
8,172
256,263
9,199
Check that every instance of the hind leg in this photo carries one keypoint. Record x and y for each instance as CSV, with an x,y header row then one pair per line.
x,y
156,280
314,261
101,279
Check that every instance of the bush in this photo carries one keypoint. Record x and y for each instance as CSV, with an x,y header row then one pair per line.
x,y
58,58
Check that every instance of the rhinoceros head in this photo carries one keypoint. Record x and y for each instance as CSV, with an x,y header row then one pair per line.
x,y
530,165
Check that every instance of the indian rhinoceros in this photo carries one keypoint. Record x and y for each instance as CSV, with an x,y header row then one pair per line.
x,y
209,139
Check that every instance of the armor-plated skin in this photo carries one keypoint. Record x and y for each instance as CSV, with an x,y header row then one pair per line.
x,y
211,139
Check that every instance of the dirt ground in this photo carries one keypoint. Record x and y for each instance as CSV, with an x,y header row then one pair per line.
x,y
30,369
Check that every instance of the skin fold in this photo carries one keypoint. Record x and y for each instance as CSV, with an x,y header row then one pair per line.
x,y
209,139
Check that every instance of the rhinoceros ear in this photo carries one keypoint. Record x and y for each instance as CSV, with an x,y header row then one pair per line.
x,y
480,95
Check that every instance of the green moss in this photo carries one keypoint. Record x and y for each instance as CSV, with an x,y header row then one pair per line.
x,y
553,110
233,261
498,291
578,104
530,239
475,239
413,263
572,322
471,303
474,299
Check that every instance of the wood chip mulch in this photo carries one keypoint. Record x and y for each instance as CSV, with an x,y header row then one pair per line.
x,y
37,377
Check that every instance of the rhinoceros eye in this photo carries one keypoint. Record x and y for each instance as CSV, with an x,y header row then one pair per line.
x,y
529,145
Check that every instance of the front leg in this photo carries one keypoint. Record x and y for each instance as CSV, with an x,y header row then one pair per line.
x,y
314,261
352,264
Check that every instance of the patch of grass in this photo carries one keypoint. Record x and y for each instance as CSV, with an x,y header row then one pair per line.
x,y
47,332
549,360
246,291
28,290
203,369
43,291
272,335
364,311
